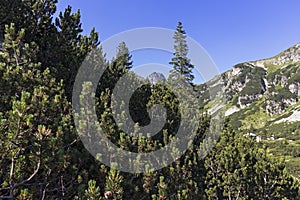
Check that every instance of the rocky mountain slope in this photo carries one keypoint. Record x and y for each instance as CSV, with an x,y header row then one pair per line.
x,y
262,97
156,77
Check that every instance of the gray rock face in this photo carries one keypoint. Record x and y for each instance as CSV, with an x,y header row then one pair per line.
x,y
156,77
290,55
274,82
274,108
295,88
284,80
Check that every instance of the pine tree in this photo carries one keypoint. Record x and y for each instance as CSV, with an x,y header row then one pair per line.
x,y
93,191
35,125
118,66
61,47
113,186
238,169
41,156
182,67
70,48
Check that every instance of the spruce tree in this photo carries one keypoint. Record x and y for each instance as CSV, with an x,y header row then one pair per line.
x,y
182,67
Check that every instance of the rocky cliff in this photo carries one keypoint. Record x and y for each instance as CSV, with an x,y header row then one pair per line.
x,y
276,81
262,99
156,77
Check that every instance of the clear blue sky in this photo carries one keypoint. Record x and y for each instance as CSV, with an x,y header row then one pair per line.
x,y
231,31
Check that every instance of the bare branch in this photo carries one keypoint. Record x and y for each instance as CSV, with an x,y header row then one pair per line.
x,y
11,188
32,175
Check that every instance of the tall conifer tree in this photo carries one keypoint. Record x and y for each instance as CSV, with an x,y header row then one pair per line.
x,y
182,67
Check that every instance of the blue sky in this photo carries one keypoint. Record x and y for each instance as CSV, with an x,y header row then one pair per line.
x,y
231,31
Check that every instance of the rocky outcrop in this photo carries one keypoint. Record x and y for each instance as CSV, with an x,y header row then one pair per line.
x,y
283,81
274,107
294,117
291,55
295,88
274,82
246,100
156,77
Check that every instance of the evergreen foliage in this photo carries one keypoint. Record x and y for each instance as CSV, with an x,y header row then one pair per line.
x,y
41,155
182,67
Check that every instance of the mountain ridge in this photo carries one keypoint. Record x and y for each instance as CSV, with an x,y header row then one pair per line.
x,y
262,98
291,54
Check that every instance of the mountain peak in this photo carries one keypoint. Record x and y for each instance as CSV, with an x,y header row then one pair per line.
x,y
155,77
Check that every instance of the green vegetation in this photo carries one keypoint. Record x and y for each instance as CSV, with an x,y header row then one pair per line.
x,y
282,94
42,156
182,67
255,119
272,68
253,84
